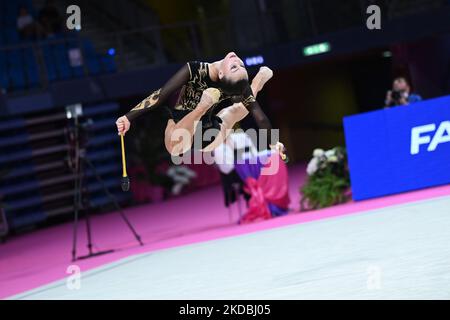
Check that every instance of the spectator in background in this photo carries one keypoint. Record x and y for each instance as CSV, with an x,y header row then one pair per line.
x,y
50,19
400,95
25,24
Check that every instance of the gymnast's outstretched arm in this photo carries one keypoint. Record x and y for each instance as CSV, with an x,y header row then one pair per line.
x,y
155,99
255,110
239,110
264,74
260,117
253,106
263,122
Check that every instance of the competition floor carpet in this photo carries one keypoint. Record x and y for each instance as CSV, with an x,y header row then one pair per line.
x,y
391,248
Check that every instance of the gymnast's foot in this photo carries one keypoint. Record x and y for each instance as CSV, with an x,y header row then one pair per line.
x,y
264,74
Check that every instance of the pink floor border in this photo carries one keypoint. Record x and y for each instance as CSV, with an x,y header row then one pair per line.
x,y
40,257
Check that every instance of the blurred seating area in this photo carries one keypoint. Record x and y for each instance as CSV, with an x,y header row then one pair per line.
x,y
124,35
36,180
33,61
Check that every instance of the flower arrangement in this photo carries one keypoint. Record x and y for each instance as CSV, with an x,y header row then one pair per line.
x,y
328,179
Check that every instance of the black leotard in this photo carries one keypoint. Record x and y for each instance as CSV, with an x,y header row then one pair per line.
x,y
194,78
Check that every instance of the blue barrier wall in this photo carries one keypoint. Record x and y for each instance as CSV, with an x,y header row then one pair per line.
x,y
399,149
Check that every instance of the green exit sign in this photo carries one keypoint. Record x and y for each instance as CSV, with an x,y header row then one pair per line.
x,y
316,49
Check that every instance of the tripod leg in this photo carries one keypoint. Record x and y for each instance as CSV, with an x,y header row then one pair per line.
x,y
82,204
88,231
76,202
75,221
114,201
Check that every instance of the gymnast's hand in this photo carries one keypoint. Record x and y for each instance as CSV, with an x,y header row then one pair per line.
x,y
280,148
123,125
264,74
209,97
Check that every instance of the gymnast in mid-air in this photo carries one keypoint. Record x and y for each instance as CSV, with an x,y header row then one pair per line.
x,y
217,94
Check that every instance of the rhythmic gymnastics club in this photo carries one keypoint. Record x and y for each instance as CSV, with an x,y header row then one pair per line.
x,y
125,182
284,157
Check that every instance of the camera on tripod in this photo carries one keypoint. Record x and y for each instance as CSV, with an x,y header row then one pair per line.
x,y
78,129
77,121
74,111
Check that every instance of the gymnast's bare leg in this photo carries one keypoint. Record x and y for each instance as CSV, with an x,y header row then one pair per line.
x,y
178,136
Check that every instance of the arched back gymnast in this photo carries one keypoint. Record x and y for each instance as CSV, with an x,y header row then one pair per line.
x,y
218,94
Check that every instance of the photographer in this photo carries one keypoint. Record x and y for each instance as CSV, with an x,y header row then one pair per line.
x,y
400,94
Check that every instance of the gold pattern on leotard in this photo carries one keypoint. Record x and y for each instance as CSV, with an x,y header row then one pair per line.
x,y
191,93
247,101
148,102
